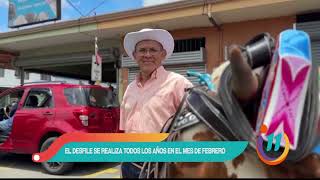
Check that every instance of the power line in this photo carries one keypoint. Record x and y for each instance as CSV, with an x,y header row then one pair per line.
x,y
82,15
96,7
85,33
74,7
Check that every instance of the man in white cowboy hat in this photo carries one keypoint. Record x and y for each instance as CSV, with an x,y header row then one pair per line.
x,y
155,94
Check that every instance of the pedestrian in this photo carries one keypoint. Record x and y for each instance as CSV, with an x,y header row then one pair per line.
x,y
6,124
155,94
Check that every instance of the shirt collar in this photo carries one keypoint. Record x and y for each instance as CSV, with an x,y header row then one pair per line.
x,y
160,71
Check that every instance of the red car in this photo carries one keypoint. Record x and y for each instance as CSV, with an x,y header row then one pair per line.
x,y
46,111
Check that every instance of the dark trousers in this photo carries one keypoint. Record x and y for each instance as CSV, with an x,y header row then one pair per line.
x,y
129,170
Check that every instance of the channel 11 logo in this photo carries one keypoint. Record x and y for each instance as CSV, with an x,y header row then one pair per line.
x,y
263,156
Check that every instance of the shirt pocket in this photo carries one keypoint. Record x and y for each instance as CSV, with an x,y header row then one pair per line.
x,y
159,101
160,107
155,112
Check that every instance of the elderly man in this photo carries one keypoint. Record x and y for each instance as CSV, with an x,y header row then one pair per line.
x,y
154,96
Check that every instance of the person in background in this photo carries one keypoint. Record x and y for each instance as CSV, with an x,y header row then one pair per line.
x,y
6,124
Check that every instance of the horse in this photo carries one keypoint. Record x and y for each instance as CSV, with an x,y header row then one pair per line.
x,y
246,165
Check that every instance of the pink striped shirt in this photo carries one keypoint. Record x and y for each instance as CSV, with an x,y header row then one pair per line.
x,y
146,108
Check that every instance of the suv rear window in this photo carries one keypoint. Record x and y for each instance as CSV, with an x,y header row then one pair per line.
x,y
75,96
95,97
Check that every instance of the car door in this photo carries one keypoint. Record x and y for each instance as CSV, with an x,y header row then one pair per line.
x,y
8,98
36,114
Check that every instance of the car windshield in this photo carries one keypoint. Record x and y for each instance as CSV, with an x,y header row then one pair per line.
x,y
95,97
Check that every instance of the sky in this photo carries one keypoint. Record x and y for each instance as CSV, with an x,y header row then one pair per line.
x,y
85,7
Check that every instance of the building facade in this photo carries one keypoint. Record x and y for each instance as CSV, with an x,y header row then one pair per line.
x,y
10,78
202,29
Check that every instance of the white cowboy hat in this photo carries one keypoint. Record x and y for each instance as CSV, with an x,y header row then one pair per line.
x,y
160,35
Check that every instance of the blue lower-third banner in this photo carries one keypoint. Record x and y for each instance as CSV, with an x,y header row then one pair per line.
x,y
200,151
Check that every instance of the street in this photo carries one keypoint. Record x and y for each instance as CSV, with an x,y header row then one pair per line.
x,y
21,166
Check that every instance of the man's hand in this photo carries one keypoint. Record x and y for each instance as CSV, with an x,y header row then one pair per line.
x,y
6,111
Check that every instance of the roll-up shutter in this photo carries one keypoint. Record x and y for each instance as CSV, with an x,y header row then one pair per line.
x,y
179,62
316,52
313,29
181,69
189,57
66,59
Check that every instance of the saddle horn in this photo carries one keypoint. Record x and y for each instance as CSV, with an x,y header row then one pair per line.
x,y
259,50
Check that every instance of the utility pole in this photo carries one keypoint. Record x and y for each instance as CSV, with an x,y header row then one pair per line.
x,y
21,70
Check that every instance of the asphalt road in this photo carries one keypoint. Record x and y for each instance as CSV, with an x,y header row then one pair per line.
x,y
21,166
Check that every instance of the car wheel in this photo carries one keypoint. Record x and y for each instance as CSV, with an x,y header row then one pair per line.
x,y
55,168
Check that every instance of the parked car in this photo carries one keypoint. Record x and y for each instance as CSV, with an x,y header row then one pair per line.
x,y
48,110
